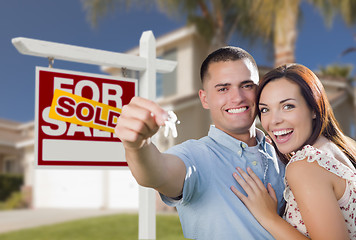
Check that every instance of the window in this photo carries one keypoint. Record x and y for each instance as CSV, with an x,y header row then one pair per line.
x,y
167,82
9,165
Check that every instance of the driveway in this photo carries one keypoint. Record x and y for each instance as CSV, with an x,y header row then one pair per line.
x,y
27,218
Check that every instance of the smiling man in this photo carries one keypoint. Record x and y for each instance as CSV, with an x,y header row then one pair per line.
x,y
195,176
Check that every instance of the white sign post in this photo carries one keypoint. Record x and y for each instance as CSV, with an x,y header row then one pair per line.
x,y
146,63
147,89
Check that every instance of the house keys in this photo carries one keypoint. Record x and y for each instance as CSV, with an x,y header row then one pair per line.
x,y
170,124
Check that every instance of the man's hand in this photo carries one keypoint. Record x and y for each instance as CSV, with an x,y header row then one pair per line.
x,y
139,120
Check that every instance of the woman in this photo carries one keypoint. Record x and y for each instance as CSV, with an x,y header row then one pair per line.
x,y
320,174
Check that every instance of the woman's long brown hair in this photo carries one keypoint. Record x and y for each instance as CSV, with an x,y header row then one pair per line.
x,y
314,93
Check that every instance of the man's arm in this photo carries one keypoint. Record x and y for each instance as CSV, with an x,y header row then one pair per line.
x,y
138,122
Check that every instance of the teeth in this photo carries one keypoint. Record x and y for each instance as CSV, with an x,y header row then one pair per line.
x,y
237,110
282,132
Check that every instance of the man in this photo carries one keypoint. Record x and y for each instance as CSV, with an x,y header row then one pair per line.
x,y
196,176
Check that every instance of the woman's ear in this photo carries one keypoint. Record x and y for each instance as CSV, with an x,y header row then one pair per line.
x,y
314,115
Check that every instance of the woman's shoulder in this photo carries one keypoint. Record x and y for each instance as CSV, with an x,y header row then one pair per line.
x,y
321,160
300,161
303,169
308,153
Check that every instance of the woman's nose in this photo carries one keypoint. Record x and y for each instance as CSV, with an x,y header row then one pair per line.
x,y
276,117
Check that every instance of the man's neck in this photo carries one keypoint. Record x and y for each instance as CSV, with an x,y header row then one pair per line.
x,y
249,137
250,141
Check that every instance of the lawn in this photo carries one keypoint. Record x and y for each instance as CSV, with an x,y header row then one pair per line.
x,y
114,227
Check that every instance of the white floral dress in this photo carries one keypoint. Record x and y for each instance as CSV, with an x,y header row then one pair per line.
x,y
348,201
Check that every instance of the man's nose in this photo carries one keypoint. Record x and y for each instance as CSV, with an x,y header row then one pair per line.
x,y
236,95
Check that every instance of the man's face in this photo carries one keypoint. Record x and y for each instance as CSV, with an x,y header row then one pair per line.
x,y
230,94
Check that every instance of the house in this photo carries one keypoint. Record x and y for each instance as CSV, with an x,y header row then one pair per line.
x,y
16,142
177,91
342,96
17,152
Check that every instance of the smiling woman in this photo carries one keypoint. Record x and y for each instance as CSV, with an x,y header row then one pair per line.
x,y
307,89
286,117
320,173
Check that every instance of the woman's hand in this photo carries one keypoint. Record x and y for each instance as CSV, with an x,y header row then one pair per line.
x,y
261,203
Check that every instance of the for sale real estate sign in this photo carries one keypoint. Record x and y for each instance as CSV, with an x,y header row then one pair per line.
x,y
76,114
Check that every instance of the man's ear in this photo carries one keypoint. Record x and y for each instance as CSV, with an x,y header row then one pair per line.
x,y
203,99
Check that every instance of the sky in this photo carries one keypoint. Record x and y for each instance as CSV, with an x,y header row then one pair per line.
x,y
65,21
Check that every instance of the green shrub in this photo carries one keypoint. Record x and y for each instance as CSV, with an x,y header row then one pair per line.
x,y
9,183
15,201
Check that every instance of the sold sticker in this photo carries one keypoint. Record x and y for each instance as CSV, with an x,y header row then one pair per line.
x,y
75,109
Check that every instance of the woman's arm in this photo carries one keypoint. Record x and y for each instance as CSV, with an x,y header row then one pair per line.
x,y
313,189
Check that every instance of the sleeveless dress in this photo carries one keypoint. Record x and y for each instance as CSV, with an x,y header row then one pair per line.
x,y
347,202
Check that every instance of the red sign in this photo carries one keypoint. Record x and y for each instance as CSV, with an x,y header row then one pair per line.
x,y
60,143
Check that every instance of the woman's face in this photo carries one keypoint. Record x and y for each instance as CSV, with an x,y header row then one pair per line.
x,y
285,114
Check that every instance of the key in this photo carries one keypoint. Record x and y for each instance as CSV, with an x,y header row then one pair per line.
x,y
170,124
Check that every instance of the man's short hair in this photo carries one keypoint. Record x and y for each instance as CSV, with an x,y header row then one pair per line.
x,y
224,54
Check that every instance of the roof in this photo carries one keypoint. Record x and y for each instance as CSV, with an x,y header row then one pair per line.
x,y
169,38
15,134
338,90
162,41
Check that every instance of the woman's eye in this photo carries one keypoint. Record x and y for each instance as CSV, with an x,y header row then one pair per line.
x,y
263,110
288,106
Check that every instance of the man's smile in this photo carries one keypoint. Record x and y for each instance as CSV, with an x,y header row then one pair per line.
x,y
236,110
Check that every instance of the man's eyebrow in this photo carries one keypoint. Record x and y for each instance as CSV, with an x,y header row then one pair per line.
x,y
247,81
229,84
222,85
